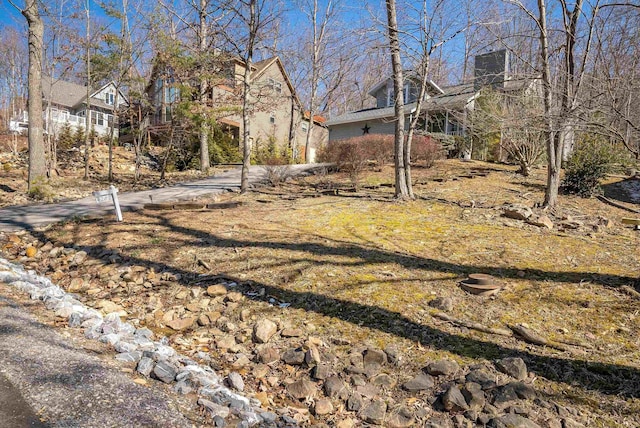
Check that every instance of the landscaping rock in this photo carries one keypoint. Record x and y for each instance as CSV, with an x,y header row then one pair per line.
x,y
302,389
334,387
454,401
373,358
517,212
165,372
514,367
181,323
235,381
321,371
216,290
485,379
419,383
443,303
400,418
264,330
355,402
374,412
268,355
474,396
512,421
442,368
323,406
294,356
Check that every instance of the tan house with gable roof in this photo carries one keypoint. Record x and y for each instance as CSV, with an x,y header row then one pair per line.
x,y
278,115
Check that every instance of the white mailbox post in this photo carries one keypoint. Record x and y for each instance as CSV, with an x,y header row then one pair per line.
x,y
105,195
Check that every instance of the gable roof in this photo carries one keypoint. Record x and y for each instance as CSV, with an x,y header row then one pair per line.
x,y
410,76
72,95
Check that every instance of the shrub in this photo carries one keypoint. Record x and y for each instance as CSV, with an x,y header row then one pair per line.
x,y
223,148
426,150
350,156
591,160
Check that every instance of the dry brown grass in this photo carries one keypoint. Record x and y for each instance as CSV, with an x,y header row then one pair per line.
x,y
363,266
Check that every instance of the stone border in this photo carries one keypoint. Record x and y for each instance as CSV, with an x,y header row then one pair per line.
x,y
154,358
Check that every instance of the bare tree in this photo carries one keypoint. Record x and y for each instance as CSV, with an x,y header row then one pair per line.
x,y
37,156
401,186
87,117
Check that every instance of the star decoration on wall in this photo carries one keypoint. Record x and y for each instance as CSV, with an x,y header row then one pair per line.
x,y
366,129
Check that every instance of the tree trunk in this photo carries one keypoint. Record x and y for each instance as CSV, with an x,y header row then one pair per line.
x,y
37,159
87,135
246,92
204,126
402,190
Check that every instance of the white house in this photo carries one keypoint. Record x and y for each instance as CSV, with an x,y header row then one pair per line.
x,y
66,103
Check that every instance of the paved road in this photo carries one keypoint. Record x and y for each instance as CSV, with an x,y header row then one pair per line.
x,y
46,380
28,217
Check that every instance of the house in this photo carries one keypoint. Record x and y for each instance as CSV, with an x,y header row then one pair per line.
x,y
277,113
446,109
66,103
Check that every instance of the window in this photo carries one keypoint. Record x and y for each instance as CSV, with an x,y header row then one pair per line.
x,y
109,98
390,98
275,85
110,120
100,119
272,118
304,126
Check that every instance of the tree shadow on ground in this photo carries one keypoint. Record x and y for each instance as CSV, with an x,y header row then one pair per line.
x,y
606,378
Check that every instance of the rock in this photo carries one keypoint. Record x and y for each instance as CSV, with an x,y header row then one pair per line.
x,y
419,383
268,355
570,423
512,421
225,342
291,332
346,423
264,330
293,356
383,380
504,397
235,381
442,368
321,371
165,371
109,307
355,402
523,390
373,358
368,390
486,380
323,406
334,387
517,212
302,389
240,362
438,421
442,303
513,366
234,296
474,395
215,409
393,354
374,412
76,285
78,258
540,221
401,417
312,356
203,320
181,324
216,290
454,401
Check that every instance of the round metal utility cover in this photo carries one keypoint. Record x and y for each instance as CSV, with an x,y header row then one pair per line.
x,y
481,279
